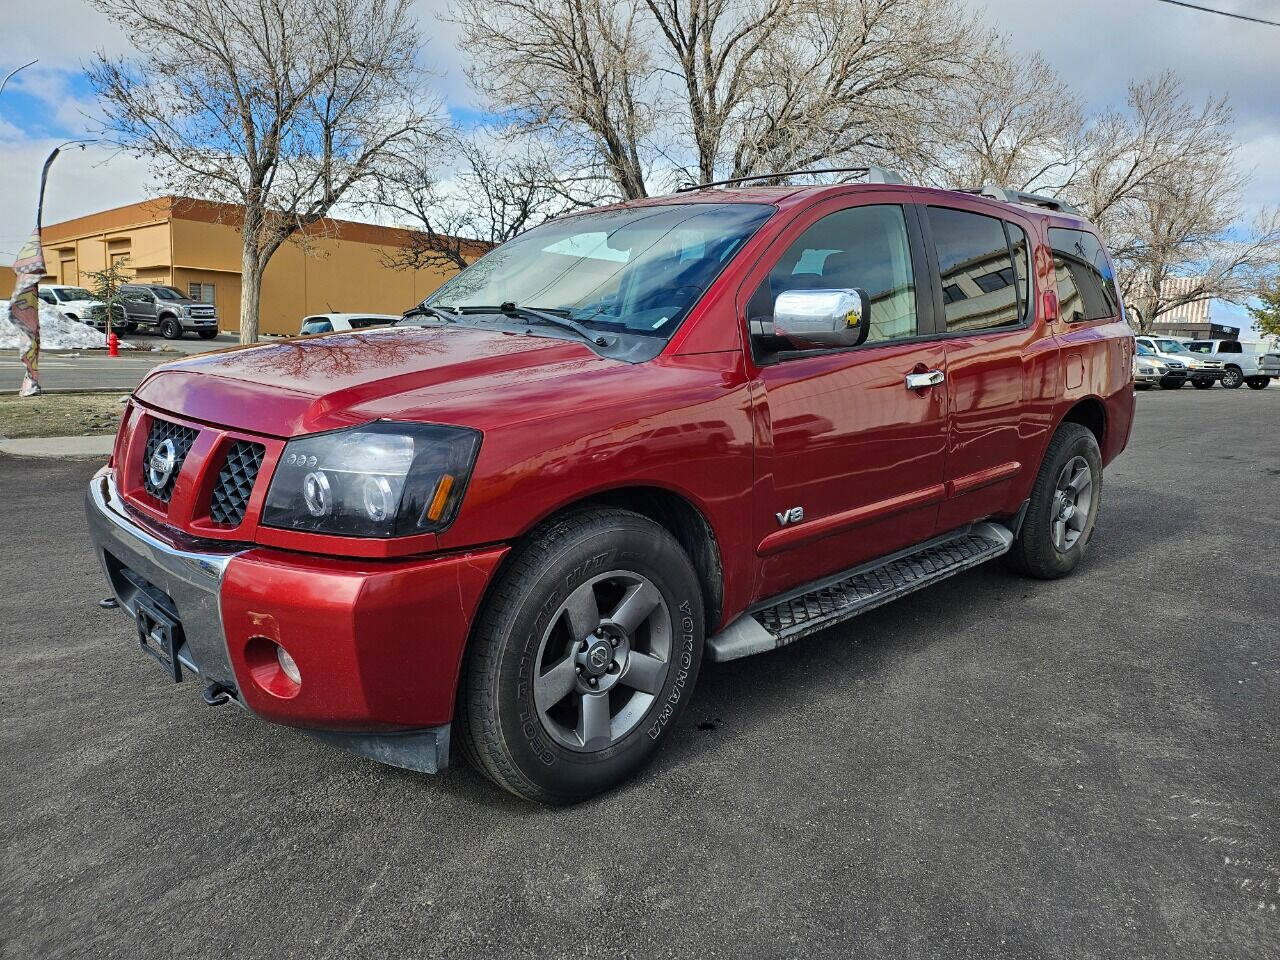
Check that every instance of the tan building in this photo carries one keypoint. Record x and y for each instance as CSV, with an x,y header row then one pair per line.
x,y
194,245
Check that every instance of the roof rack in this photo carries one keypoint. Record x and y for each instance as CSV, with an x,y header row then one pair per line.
x,y
871,174
1010,195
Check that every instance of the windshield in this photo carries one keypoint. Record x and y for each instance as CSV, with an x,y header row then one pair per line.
x,y
168,293
1171,346
1145,351
73,293
637,270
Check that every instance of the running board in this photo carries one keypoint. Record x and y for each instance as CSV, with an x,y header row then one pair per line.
x,y
783,619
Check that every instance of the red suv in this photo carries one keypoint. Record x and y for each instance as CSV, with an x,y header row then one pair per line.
x,y
692,427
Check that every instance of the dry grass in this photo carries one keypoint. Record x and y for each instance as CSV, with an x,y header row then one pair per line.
x,y
61,414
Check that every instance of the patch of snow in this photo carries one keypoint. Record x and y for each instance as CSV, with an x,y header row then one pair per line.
x,y
57,331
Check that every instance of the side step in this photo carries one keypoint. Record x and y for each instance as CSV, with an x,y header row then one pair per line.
x,y
780,620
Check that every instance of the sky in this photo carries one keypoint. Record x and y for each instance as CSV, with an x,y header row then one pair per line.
x,y
1097,45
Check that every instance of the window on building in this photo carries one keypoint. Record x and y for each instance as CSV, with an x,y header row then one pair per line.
x,y
862,247
974,256
201,292
1081,255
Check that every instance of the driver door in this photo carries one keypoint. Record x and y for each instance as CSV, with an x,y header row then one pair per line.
x,y
849,458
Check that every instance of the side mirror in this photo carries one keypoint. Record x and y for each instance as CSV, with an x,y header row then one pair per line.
x,y
823,318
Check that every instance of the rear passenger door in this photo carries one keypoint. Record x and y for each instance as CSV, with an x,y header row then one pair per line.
x,y
1001,370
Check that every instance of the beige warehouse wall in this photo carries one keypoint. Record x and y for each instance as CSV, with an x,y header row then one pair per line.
x,y
325,273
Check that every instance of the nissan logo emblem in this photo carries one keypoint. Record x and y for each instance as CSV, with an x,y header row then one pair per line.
x,y
160,466
600,655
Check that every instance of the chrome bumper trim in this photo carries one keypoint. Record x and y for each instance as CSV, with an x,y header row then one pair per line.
x,y
191,578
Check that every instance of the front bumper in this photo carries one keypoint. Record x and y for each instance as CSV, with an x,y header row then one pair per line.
x,y
378,644
1205,374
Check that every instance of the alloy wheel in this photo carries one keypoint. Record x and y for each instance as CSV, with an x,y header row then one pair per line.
x,y
602,661
1072,501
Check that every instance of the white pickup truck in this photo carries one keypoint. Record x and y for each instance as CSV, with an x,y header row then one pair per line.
x,y
1250,363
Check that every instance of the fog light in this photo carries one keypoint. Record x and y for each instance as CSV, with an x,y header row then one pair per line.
x,y
288,665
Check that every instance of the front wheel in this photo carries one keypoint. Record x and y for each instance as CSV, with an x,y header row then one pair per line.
x,y
583,657
170,328
1063,507
1202,383
1232,377
1258,383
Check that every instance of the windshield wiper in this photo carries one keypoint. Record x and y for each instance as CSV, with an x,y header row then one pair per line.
x,y
425,309
528,313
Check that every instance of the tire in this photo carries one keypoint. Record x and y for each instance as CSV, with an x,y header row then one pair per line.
x,y
207,334
1200,383
1037,551
1172,383
170,328
1258,383
1232,377
511,725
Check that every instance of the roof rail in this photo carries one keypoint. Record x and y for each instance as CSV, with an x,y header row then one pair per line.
x,y
871,174
1010,195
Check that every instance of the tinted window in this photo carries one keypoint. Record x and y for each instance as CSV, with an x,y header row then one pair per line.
x,y
864,247
1200,346
317,326
358,323
1081,255
1230,346
981,287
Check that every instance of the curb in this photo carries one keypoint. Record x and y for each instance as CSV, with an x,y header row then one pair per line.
x,y
98,445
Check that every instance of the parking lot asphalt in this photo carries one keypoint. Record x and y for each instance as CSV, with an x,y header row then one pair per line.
x,y
993,768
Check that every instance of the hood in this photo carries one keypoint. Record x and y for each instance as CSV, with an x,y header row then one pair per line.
x,y
308,384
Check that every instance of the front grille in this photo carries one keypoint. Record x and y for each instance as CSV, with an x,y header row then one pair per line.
x,y
182,438
202,311
235,482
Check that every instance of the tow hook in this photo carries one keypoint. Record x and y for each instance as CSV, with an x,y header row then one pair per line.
x,y
215,694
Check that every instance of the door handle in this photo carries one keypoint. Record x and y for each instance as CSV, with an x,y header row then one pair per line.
x,y
921,381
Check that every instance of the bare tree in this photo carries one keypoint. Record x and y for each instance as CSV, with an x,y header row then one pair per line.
x,y
492,198
283,107
1163,183
633,89
1013,123
575,71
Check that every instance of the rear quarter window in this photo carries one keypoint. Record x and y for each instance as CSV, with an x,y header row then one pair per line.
x,y
1086,279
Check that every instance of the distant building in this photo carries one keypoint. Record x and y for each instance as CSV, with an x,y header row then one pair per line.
x,y
1190,319
194,245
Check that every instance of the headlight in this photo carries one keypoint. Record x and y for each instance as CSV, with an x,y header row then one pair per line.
x,y
386,479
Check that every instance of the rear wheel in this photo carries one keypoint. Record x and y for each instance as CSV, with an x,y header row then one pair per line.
x,y
1063,507
1232,377
1202,383
1258,383
170,329
585,653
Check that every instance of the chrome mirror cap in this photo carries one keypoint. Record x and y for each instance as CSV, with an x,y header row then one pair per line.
x,y
823,318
